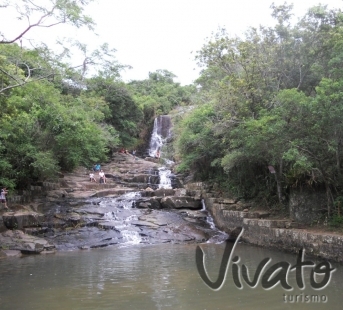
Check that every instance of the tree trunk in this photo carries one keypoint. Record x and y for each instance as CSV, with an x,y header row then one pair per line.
x,y
278,178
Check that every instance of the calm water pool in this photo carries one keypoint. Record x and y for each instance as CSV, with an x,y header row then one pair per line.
x,y
147,277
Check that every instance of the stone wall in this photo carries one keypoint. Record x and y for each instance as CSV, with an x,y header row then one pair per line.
x,y
26,196
307,205
285,235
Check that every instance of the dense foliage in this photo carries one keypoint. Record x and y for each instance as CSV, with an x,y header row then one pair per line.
x,y
54,116
273,104
265,115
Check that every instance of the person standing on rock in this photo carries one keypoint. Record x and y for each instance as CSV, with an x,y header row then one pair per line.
x,y
102,177
3,197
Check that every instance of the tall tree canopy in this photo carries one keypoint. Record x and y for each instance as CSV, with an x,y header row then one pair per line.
x,y
275,101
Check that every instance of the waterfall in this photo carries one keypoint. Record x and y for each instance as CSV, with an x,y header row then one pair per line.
x,y
165,181
209,218
160,133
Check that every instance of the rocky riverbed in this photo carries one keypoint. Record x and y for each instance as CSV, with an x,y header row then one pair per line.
x,y
74,213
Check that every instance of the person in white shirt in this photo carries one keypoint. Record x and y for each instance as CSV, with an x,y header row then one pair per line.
x,y
102,177
3,197
91,177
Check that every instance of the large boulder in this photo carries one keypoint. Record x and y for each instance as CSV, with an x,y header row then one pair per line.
x,y
22,219
160,192
148,203
142,178
26,244
181,202
163,192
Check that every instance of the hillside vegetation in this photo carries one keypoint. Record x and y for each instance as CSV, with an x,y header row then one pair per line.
x,y
266,111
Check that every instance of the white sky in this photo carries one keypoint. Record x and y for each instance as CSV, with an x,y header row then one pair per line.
x,y
161,34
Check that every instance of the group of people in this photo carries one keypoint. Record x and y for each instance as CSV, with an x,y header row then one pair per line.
x,y
102,177
125,151
3,197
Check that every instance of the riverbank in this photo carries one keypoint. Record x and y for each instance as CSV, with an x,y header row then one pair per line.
x,y
71,212
261,230
75,213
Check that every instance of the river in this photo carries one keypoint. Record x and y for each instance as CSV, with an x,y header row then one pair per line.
x,y
163,276
136,275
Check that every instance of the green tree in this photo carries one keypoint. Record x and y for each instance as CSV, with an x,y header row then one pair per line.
x,y
23,65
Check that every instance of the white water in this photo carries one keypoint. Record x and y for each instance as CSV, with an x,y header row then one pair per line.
x,y
156,143
165,181
124,201
209,218
121,224
131,237
156,140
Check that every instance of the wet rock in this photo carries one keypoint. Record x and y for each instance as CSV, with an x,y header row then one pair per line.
x,y
2,225
196,214
57,194
35,231
143,178
157,219
54,223
31,248
26,244
103,243
180,192
114,225
181,202
48,252
21,219
111,192
9,253
152,203
162,192
145,223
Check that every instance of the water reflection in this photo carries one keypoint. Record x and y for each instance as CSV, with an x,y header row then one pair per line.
x,y
145,277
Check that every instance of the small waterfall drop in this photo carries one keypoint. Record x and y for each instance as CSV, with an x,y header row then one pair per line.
x,y
209,218
160,133
131,237
165,181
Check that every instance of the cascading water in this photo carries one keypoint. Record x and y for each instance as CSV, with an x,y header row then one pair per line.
x,y
209,218
160,133
117,218
165,181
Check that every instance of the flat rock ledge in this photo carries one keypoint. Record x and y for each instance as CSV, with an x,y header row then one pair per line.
x,y
15,243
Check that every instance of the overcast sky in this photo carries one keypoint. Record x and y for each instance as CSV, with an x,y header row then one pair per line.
x,y
162,34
